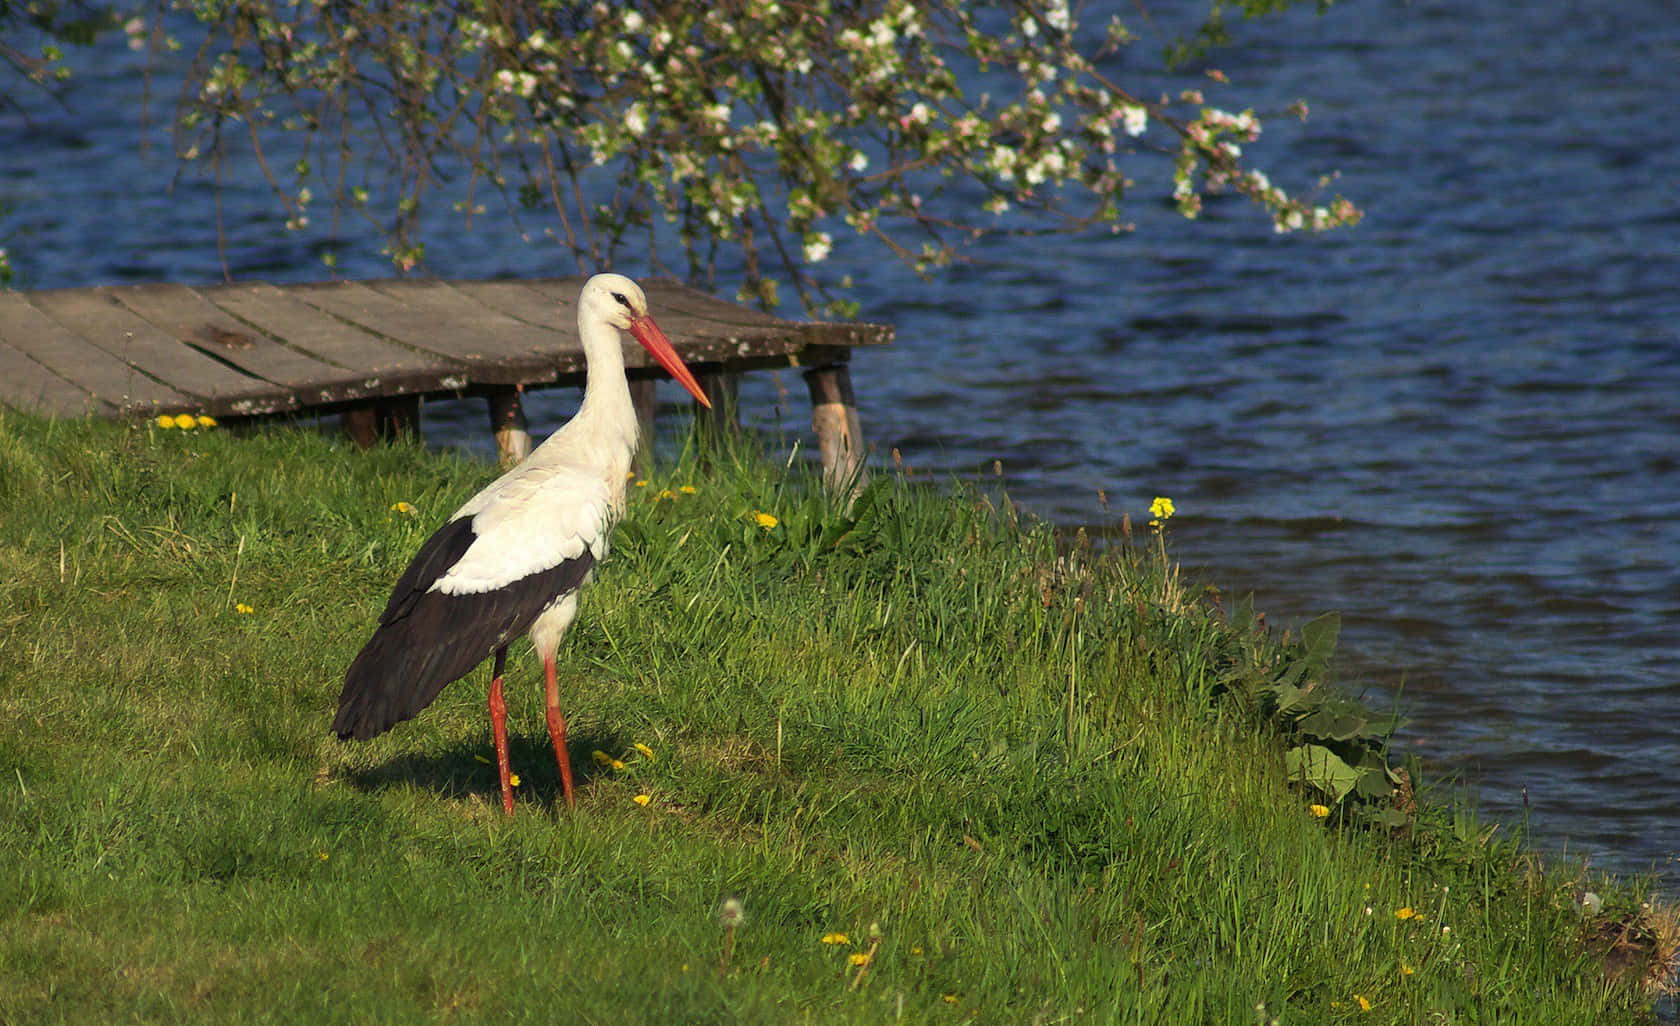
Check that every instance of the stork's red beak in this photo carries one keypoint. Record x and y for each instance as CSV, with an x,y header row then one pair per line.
x,y
657,345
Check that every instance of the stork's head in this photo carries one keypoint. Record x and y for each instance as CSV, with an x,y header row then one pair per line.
x,y
620,302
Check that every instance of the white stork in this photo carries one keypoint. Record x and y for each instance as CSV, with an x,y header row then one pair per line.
x,y
512,559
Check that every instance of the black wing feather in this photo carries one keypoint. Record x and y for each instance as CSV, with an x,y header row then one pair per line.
x,y
427,639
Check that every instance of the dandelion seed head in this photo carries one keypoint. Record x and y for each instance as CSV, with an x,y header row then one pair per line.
x,y
731,913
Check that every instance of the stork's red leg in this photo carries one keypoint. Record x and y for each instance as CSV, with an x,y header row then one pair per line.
x,y
557,730
498,730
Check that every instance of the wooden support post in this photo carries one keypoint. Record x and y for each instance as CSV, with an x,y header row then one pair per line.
x,y
644,396
507,420
713,425
723,389
834,417
384,421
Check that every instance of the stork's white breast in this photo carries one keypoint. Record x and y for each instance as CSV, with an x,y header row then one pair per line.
x,y
531,522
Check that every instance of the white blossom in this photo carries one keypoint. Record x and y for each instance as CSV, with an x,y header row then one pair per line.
x,y
817,247
1058,16
1003,162
1136,118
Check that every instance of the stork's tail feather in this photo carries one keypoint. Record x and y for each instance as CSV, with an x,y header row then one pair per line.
x,y
380,688
396,675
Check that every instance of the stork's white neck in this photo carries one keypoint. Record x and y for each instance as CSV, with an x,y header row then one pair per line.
x,y
606,390
603,433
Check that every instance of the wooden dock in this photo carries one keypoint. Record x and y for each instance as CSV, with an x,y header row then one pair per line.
x,y
374,350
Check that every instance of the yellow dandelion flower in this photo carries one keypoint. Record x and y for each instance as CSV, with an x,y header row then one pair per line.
x,y
186,422
513,778
689,490
664,494
242,609
1406,970
602,759
642,483
642,799
859,958
647,753
1319,810
1364,1002
403,507
166,421
764,520
617,764
206,421
1408,912
835,938
1162,508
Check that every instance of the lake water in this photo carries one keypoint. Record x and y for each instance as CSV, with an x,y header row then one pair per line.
x,y
1458,424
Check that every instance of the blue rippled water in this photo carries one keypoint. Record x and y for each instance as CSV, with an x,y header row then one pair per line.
x,y
1458,424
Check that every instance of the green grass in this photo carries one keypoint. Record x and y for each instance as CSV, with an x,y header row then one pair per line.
x,y
1025,779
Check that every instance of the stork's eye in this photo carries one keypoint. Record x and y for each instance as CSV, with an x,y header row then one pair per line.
x,y
621,300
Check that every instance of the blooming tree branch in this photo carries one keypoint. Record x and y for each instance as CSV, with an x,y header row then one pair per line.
x,y
762,127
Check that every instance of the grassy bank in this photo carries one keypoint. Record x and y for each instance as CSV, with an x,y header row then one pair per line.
x,y
916,763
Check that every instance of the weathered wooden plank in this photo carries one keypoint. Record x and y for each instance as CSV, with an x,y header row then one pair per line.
x,y
669,294
188,316
694,303
81,363
252,349
518,299
29,386
395,319
555,303
699,339
494,337
718,330
97,316
376,367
